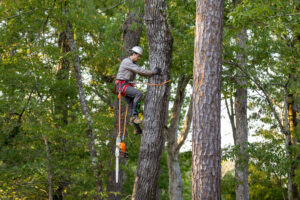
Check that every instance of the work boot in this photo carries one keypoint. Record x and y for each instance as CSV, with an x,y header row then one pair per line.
x,y
134,119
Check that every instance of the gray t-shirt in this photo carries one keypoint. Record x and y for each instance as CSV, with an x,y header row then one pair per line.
x,y
129,69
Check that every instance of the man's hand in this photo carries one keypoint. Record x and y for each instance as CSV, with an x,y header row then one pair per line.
x,y
156,71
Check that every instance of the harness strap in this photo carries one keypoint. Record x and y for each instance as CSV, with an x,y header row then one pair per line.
x,y
118,86
125,122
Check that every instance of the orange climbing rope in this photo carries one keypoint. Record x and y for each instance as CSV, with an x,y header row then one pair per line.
x,y
119,96
153,84
125,120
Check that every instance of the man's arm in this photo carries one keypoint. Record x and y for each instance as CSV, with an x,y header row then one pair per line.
x,y
129,65
137,69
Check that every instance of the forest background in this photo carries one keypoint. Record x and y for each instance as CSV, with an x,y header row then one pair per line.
x,y
58,64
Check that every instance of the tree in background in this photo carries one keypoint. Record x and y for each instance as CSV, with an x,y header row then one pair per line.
x,y
237,107
207,100
181,18
271,56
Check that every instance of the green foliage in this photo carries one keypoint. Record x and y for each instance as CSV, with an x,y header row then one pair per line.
x,y
185,161
228,186
262,186
36,105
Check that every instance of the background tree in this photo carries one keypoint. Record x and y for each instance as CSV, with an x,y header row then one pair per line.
x,y
237,94
266,49
181,19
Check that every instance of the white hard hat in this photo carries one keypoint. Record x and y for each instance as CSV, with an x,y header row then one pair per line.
x,y
137,49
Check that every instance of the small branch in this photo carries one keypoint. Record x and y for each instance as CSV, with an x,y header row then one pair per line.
x,y
287,128
186,127
47,19
290,14
176,110
231,117
24,108
23,13
112,7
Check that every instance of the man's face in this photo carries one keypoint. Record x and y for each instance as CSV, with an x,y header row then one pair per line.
x,y
135,57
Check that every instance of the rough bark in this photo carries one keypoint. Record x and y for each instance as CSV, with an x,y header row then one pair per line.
x,y
241,138
291,142
206,145
293,108
84,107
175,179
294,117
132,28
131,38
156,101
288,144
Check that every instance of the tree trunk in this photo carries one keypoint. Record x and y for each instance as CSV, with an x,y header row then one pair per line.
x,y
241,138
175,180
293,104
61,105
49,172
131,38
156,101
62,76
291,142
206,147
84,107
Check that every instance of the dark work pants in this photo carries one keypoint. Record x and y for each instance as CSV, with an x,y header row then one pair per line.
x,y
133,98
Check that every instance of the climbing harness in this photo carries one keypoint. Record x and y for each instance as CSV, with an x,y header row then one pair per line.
x,y
120,144
118,86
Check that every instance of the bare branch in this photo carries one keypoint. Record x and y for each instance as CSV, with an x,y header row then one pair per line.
x,y
186,127
176,110
231,116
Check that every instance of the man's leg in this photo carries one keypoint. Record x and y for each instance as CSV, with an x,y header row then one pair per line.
x,y
129,101
133,93
137,129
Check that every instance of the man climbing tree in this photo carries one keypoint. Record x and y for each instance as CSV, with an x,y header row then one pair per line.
x,y
125,77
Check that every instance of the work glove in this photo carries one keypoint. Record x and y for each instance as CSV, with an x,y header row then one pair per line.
x,y
156,71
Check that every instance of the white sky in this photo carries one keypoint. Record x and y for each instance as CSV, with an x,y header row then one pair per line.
x,y
226,132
